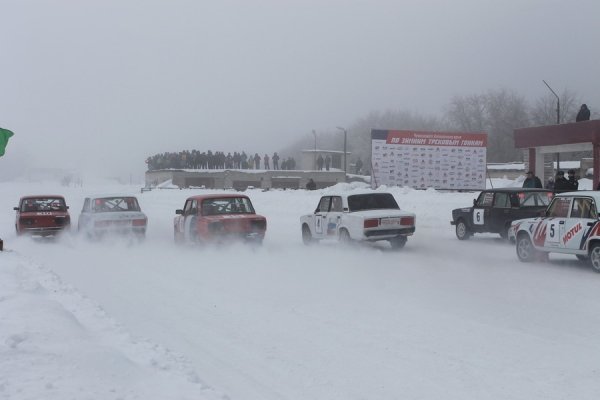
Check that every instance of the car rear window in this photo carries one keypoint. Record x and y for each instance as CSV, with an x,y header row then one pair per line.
x,y
115,204
227,205
374,201
43,204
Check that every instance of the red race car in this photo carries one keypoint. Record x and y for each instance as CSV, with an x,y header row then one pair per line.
x,y
219,218
43,215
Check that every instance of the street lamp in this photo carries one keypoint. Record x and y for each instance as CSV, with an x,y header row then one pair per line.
x,y
345,139
557,120
315,153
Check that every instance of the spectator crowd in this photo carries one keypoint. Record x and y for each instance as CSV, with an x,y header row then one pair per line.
x,y
218,160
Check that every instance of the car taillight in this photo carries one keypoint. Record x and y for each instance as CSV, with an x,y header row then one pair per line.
x,y
371,223
407,221
138,222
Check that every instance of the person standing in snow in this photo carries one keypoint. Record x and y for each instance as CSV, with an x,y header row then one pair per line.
x,y
266,161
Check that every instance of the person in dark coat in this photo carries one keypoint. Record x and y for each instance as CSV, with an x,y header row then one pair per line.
x,y
311,185
573,180
561,184
583,114
532,181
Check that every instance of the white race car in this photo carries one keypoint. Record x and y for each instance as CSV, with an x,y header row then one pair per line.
x,y
109,214
570,226
368,216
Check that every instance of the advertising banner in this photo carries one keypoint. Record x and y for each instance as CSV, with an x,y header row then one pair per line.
x,y
439,160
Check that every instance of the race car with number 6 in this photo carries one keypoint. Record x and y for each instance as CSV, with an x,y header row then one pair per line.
x,y
495,209
569,226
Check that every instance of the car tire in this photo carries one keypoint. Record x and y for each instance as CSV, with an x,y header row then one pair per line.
x,y
462,232
525,250
398,242
307,237
344,237
595,257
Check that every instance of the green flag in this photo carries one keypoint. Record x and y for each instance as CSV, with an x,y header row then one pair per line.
x,y
4,135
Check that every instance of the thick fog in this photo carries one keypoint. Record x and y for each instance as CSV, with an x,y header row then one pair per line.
x,y
107,83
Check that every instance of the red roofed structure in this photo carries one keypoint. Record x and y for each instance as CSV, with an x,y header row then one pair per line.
x,y
575,136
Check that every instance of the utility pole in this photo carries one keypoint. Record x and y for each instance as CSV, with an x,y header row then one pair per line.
x,y
557,120
345,140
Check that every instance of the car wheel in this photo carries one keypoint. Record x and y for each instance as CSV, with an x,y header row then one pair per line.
x,y
525,250
595,257
462,232
345,237
307,238
398,242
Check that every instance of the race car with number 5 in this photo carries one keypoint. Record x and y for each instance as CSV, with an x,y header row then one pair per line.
x,y
569,226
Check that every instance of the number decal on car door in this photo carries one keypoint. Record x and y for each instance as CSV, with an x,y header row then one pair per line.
x,y
553,234
478,216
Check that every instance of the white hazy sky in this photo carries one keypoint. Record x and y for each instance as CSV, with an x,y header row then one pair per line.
x,y
105,83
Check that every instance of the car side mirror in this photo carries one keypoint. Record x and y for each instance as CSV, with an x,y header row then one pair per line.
x,y
474,202
16,208
67,207
179,212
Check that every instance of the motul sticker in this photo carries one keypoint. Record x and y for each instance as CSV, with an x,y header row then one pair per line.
x,y
571,233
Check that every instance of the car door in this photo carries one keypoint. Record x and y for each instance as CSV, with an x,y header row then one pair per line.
x,y
320,221
499,213
186,218
481,211
582,217
557,214
334,216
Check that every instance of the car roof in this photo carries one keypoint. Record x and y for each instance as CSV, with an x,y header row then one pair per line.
x,y
590,193
43,196
216,196
105,196
517,189
346,194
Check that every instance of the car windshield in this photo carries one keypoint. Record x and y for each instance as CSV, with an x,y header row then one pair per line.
x,y
227,205
43,204
115,204
372,201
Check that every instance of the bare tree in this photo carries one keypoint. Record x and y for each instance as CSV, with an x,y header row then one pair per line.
x,y
498,113
543,111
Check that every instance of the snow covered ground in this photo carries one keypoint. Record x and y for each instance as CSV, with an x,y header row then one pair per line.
x,y
439,319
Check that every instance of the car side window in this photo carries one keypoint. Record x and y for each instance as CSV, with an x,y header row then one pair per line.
x,y
501,200
583,208
336,204
485,199
324,204
86,205
559,207
529,200
187,207
194,208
